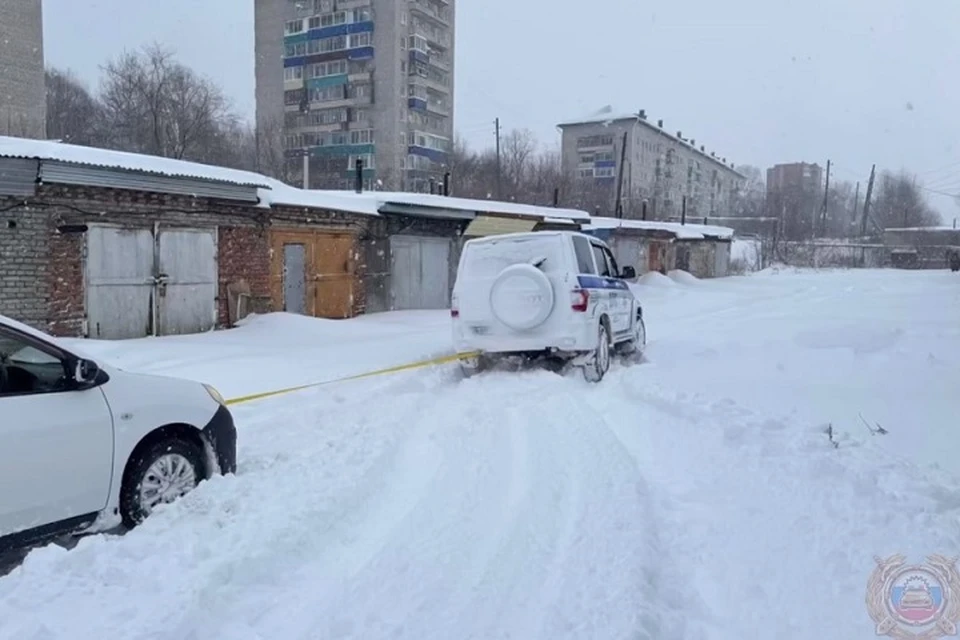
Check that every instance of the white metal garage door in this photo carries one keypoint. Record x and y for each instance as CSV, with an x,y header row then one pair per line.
x,y
143,282
419,272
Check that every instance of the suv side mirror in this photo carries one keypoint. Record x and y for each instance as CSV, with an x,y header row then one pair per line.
x,y
628,273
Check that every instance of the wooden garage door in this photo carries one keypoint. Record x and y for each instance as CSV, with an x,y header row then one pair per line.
x,y
312,273
419,272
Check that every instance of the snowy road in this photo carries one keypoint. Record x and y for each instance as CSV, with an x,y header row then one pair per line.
x,y
691,497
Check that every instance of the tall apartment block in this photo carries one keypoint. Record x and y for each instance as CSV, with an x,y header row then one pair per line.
x,y
23,97
346,80
663,175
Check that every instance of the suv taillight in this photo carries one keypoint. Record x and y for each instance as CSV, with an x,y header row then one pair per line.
x,y
579,300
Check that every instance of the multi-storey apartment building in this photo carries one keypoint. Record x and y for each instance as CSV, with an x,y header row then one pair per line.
x,y
794,196
23,99
346,80
662,173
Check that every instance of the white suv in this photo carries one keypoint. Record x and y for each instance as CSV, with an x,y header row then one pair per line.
x,y
549,293
85,446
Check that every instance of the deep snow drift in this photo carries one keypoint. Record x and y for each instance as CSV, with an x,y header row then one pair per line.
x,y
693,496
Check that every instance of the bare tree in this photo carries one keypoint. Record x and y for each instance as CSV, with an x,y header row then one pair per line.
x,y
73,114
155,105
517,148
898,202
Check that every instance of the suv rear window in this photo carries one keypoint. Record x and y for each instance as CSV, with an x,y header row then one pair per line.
x,y
581,247
488,259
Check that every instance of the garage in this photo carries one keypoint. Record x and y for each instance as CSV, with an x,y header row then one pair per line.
x,y
141,281
312,272
420,272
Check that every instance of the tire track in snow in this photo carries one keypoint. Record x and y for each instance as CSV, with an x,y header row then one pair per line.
x,y
535,525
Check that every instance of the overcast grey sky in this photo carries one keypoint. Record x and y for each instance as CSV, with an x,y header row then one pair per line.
x,y
757,81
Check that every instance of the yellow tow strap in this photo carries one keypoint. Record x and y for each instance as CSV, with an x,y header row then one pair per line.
x,y
379,372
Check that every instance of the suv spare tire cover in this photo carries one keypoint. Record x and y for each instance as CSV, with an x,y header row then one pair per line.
x,y
521,297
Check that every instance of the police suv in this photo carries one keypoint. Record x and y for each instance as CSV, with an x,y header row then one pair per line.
x,y
549,293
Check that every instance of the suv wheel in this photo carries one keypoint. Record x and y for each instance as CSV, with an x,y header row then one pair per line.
x,y
599,364
637,343
161,474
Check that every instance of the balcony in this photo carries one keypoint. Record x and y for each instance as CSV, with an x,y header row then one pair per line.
x,y
431,10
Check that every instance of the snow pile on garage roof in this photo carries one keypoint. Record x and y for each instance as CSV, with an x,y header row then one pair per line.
x,y
682,231
436,201
52,150
279,193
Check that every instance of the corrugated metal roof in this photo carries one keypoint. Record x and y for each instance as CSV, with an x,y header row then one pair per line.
x,y
53,151
111,178
18,177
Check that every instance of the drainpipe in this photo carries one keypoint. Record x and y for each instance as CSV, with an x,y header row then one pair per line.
x,y
359,184
446,183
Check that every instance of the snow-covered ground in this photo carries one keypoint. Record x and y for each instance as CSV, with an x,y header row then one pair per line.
x,y
692,496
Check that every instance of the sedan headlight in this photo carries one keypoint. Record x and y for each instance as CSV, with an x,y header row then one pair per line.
x,y
215,394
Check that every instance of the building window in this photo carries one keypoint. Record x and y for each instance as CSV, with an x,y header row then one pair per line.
x,y
362,136
418,43
586,173
293,73
362,15
359,90
360,40
594,141
603,172
294,26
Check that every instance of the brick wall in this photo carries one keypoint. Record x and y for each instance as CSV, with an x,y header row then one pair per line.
x,y
244,256
42,251
24,246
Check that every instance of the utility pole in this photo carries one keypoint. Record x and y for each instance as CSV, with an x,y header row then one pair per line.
x,y
496,123
306,168
618,205
683,211
866,215
823,207
856,202
866,204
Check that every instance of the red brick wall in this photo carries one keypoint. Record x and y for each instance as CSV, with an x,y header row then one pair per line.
x,y
244,254
43,283
66,310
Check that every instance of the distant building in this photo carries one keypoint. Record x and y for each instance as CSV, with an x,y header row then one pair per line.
x,y
794,196
23,97
369,80
661,170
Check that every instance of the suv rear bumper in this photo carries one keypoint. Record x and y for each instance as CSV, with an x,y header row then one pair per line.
x,y
574,338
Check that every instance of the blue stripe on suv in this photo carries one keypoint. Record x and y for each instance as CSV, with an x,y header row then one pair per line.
x,y
600,282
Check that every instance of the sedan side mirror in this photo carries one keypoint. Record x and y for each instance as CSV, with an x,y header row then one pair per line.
x,y
628,273
86,373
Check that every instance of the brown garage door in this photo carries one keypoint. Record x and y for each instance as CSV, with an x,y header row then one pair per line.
x,y
312,273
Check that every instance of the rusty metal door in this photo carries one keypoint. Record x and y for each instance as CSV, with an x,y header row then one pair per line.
x,y
119,282
186,281
142,282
